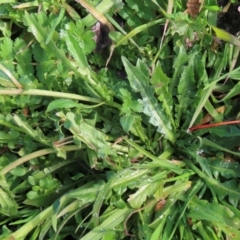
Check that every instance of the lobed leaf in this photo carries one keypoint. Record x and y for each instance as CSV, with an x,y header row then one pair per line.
x,y
161,84
9,206
152,108
226,169
222,216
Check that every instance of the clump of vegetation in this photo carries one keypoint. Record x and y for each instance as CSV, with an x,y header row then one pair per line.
x,y
119,120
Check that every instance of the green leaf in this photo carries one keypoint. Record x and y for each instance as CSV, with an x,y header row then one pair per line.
x,y
6,49
152,108
18,171
9,207
104,7
180,60
225,36
226,169
127,122
86,191
139,197
61,103
209,143
47,198
129,104
225,132
116,36
72,12
76,50
186,90
7,137
233,190
35,134
120,180
117,216
230,188
160,83
111,235
41,34
93,138
232,93
212,111
24,57
204,93
31,180
222,216
54,24
137,30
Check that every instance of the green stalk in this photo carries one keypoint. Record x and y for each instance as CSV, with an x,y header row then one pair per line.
x,y
137,30
119,28
174,166
38,92
46,151
25,159
36,154
197,171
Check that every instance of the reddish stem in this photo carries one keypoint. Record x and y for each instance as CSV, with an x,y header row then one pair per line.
x,y
212,125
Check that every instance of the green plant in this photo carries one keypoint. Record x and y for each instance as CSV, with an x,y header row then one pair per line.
x,y
89,152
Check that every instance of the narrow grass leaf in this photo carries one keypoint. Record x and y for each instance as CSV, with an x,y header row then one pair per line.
x,y
54,24
212,111
205,93
156,233
117,217
225,36
122,179
72,12
23,5
137,30
166,210
86,191
216,146
232,93
161,162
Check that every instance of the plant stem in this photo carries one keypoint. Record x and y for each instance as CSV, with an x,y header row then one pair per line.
x,y
213,125
36,154
38,92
